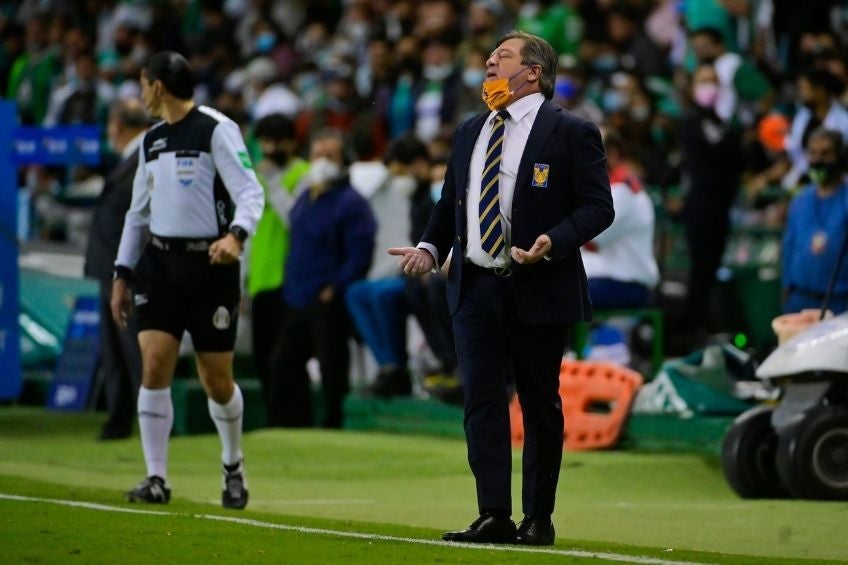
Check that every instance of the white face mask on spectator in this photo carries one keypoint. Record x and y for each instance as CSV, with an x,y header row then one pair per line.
x,y
706,94
473,78
437,72
403,184
323,171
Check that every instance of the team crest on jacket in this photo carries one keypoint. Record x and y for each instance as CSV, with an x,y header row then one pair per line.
x,y
221,318
540,175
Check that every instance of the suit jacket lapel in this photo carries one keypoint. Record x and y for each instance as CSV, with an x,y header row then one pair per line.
x,y
464,150
542,128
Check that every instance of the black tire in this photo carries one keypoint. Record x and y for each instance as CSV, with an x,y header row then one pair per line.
x,y
748,456
812,455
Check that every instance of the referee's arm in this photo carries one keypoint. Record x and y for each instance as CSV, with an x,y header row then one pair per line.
x,y
233,163
136,226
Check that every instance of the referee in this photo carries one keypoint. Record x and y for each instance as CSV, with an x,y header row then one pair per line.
x,y
197,195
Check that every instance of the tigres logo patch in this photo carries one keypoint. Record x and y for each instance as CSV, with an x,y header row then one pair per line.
x,y
540,175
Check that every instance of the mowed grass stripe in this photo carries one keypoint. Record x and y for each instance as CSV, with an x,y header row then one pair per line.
x,y
622,558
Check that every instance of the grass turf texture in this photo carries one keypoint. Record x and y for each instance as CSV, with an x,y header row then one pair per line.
x,y
408,486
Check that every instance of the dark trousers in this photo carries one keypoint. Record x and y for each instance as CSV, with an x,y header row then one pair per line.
x,y
322,331
267,312
494,347
609,293
427,299
120,363
707,221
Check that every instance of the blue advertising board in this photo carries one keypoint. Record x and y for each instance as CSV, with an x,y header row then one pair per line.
x,y
61,145
77,363
10,351
23,145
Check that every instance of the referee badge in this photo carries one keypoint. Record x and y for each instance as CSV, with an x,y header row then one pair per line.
x,y
540,175
221,318
185,170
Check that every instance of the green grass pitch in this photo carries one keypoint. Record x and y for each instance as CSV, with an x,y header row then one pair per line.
x,y
353,497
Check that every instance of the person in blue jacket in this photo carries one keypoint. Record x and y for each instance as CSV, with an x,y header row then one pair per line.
x,y
815,229
332,243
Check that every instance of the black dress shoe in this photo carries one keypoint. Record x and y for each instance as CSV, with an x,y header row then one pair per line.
x,y
536,531
485,529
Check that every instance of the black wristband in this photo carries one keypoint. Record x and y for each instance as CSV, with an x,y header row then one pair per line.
x,y
239,232
122,272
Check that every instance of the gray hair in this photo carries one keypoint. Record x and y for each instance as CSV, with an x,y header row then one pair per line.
x,y
130,114
537,51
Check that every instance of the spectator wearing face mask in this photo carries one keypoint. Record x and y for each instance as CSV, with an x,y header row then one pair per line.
x,y
437,90
280,172
570,93
819,107
744,91
376,303
815,229
712,167
469,102
331,246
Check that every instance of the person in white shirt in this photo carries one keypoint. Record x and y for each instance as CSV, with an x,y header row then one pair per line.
x,y
619,262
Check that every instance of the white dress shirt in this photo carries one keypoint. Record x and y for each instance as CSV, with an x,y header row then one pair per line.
x,y
522,114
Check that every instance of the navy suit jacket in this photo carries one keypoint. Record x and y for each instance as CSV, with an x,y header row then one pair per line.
x,y
574,207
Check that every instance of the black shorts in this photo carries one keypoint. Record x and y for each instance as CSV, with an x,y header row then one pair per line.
x,y
178,290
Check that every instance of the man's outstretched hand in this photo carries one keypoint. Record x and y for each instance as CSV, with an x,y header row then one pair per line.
x,y
540,248
413,261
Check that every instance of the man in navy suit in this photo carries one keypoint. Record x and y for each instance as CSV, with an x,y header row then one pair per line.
x,y
526,186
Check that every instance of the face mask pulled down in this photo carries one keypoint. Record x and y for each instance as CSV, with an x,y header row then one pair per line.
x,y
496,93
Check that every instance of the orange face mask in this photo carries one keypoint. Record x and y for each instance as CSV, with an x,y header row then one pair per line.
x,y
496,93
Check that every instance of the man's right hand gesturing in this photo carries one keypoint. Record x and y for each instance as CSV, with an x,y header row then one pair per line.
x,y
414,261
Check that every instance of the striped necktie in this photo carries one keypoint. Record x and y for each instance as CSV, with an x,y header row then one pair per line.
x,y
491,228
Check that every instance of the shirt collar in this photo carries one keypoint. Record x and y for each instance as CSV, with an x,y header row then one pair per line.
x,y
523,106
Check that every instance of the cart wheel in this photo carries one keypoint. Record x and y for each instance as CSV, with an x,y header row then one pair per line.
x,y
748,455
812,455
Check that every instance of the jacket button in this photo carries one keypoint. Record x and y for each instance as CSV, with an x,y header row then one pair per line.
x,y
460,201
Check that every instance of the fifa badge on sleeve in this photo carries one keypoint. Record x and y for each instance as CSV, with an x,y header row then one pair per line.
x,y
540,175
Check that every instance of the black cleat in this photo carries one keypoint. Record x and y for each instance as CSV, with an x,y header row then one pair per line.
x,y
234,494
153,490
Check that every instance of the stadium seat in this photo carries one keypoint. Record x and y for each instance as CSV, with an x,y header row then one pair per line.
x,y
596,400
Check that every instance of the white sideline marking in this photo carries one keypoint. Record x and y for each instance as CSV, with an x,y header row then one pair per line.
x,y
358,535
304,501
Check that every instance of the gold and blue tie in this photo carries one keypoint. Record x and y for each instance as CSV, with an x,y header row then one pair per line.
x,y
491,228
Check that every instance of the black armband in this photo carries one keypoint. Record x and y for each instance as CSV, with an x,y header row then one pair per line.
x,y
122,272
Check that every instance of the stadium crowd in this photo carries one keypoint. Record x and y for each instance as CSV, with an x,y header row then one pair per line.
x,y
717,97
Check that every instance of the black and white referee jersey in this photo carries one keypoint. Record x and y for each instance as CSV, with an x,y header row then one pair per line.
x,y
190,176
